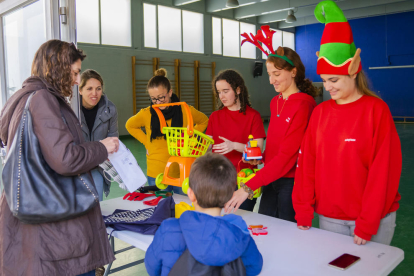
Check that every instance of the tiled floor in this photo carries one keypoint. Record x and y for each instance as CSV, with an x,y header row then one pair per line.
x,y
404,234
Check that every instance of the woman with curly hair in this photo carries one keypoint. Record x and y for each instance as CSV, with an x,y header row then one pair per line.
x,y
69,247
290,113
233,122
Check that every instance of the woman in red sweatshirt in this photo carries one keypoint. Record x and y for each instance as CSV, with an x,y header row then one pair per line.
x,y
290,113
350,161
233,122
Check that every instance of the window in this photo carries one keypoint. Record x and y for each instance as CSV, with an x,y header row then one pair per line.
x,y
177,30
116,22
114,27
193,32
282,38
276,42
23,33
217,50
231,38
169,28
248,50
227,38
150,26
87,20
289,40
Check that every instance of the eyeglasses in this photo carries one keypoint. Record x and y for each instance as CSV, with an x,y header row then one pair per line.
x,y
159,99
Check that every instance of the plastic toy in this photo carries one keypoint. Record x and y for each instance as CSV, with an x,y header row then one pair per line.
x,y
185,144
251,150
160,195
153,202
181,207
258,230
241,174
245,175
164,194
135,196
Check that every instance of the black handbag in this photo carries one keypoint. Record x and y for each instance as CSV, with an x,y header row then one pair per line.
x,y
36,193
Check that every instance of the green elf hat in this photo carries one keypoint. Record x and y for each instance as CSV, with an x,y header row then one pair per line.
x,y
338,54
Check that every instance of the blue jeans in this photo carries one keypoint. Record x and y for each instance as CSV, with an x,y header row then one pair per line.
x,y
177,190
99,182
90,273
277,200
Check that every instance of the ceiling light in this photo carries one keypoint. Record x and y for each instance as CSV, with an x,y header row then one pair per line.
x,y
232,4
291,17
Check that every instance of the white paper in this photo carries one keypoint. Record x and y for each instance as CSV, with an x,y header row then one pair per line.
x,y
127,167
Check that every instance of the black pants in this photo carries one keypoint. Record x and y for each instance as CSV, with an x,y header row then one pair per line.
x,y
248,204
277,200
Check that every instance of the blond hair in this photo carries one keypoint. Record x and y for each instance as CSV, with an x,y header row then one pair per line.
x,y
361,83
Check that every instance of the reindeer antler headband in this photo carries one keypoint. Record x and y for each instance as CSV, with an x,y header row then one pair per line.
x,y
265,36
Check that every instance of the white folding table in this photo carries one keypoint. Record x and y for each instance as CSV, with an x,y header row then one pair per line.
x,y
287,250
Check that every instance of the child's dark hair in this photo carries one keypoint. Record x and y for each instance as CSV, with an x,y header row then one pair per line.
x,y
213,180
235,80
159,79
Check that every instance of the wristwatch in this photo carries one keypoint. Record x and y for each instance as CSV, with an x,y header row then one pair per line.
x,y
247,190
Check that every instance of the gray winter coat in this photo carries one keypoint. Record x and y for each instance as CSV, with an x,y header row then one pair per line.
x,y
106,125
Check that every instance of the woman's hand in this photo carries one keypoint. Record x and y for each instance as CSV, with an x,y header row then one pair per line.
x,y
237,199
225,147
111,144
253,162
359,241
303,227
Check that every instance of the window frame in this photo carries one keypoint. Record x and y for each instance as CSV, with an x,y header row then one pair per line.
x,y
182,33
240,33
182,30
100,31
222,37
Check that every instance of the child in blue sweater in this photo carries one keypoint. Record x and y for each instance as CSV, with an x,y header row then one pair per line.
x,y
211,239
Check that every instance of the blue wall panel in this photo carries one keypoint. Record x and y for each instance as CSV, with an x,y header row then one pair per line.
x,y
384,40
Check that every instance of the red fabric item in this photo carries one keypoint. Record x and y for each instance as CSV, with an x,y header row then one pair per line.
x,y
350,165
337,32
323,67
153,202
236,127
284,137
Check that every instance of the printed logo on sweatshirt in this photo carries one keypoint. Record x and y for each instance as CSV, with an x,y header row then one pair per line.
x,y
350,140
288,119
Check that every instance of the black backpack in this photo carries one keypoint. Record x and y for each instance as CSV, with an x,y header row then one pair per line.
x,y
186,265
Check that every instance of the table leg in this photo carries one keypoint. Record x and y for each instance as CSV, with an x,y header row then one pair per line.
x,y
112,242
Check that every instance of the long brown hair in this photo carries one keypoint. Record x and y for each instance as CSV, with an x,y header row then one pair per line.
x,y
304,85
362,85
53,61
235,80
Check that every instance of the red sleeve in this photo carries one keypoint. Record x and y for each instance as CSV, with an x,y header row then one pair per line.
x,y
287,156
258,130
303,196
209,130
383,175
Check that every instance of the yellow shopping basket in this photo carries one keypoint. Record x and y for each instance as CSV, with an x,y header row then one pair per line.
x,y
183,141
